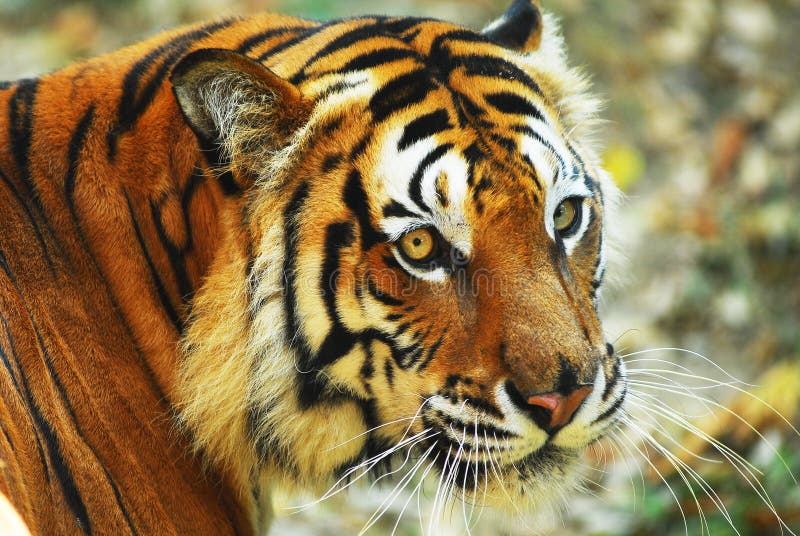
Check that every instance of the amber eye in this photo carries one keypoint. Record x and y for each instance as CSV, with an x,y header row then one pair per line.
x,y
418,245
566,218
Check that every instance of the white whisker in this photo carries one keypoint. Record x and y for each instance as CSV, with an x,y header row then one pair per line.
x,y
389,500
646,458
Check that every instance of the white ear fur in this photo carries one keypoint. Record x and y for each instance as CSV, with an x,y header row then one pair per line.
x,y
234,102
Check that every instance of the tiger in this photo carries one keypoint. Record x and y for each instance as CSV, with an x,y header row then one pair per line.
x,y
269,253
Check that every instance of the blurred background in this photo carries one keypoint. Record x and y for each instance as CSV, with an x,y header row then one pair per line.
x,y
702,133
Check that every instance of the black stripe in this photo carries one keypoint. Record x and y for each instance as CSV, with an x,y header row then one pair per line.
x,y
614,407
118,497
327,129
487,407
511,103
74,150
470,112
339,340
483,184
331,162
338,87
375,58
400,25
424,127
494,67
340,42
463,35
280,47
212,152
432,351
615,376
135,101
20,128
258,39
291,233
67,483
402,328
20,135
506,143
528,131
398,210
192,187
175,255
161,290
397,94
381,296
36,229
474,154
360,148
367,367
415,184
79,508
23,392
388,369
356,200
311,383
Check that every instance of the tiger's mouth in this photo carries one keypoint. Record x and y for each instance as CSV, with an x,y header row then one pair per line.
x,y
493,449
484,472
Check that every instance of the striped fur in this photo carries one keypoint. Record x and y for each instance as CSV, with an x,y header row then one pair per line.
x,y
226,260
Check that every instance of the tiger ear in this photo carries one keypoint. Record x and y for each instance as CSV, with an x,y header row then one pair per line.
x,y
520,28
233,101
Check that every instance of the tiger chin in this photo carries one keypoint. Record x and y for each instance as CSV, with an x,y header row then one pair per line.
x,y
325,248
414,270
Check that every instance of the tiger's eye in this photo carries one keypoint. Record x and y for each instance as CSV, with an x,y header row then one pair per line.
x,y
418,245
565,215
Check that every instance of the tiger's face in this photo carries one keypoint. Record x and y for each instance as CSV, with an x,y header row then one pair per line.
x,y
425,243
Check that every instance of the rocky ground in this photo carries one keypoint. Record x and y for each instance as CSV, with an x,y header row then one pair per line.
x,y
703,136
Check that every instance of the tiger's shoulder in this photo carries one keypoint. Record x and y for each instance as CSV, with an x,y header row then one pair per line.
x,y
91,215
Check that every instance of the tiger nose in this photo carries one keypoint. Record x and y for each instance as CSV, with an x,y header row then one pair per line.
x,y
550,411
561,408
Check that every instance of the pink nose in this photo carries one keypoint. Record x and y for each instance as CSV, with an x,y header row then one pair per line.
x,y
561,407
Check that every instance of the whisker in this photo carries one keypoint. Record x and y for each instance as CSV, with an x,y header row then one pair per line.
x,y
672,417
369,464
434,511
646,458
745,469
744,421
389,500
690,353
681,466
416,490
369,431
616,443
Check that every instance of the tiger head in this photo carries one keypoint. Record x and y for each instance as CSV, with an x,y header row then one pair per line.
x,y
413,268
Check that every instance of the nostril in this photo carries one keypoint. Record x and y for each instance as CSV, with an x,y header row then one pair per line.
x,y
610,349
550,411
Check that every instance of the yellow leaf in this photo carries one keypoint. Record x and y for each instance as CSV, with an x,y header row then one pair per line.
x,y
625,163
